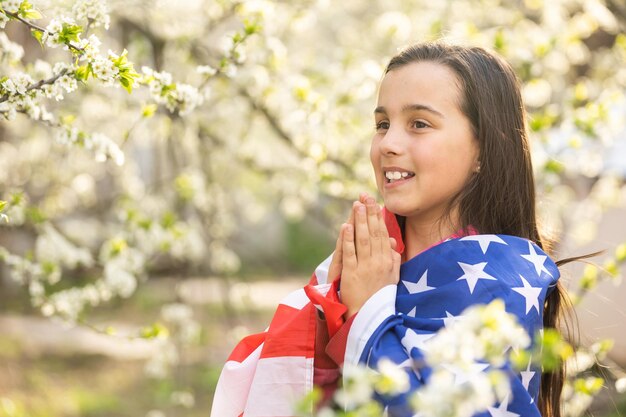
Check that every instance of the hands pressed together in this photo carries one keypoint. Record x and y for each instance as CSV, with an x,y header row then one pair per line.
x,y
364,255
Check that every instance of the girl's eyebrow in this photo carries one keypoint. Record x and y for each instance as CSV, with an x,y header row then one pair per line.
x,y
411,107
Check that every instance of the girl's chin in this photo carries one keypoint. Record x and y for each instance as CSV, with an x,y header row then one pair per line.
x,y
396,207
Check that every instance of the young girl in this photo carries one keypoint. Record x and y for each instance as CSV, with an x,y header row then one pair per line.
x,y
452,164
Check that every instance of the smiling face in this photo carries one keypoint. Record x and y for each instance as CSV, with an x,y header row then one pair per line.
x,y
424,150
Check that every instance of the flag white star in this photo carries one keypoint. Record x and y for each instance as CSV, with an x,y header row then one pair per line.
x,y
412,312
472,273
461,376
531,294
537,260
450,319
527,375
412,340
410,364
485,240
502,411
420,286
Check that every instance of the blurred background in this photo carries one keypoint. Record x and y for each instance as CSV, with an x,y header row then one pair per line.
x,y
145,233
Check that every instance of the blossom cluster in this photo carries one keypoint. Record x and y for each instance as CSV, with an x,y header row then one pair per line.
x,y
184,329
104,148
10,52
95,12
176,97
479,339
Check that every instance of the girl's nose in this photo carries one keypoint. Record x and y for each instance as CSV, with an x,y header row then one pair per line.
x,y
391,143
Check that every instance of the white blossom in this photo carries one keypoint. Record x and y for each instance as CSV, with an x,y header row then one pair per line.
x,y
176,313
52,246
10,52
484,333
3,20
443,396
187,98
206,70
51,36
11,5
620,385
357,388
183,398
119,280
90,47
42,69
166,356
104,70
393,379
95,11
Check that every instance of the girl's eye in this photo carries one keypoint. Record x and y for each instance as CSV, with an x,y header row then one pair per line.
x,y
418,124
382,125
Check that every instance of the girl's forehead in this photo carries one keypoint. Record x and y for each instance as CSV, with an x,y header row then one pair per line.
x,y
421,81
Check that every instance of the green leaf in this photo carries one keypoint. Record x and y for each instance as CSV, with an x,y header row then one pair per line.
x,y
82,72
26,11
251,27
148,110
620,253
32,14
126,72
498,41
554,166
37,34
35,215
118,245
553,349
70,33
589,280
589,386
2,204
168,220
154,331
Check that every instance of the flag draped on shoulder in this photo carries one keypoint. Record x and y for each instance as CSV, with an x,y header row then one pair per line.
x,y
434,289
268,373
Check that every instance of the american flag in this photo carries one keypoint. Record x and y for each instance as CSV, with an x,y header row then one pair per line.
x,y
269,372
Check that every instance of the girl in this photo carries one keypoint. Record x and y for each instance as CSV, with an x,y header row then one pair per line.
x,y
452,164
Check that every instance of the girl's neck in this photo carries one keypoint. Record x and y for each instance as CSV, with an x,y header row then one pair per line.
x,y
419,236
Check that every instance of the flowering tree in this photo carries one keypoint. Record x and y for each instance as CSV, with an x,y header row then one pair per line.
x,y
228,110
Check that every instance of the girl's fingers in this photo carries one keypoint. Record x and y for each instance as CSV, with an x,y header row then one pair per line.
x,y
361,232
384,235
395,269
348,250
334,270
374,227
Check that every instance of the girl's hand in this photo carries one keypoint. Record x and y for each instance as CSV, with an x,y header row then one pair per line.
x,y
336,264
368,257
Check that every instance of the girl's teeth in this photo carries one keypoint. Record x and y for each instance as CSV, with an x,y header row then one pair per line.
x,y
392,176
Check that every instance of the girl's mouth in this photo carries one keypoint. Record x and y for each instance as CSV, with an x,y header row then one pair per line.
x,y
393,176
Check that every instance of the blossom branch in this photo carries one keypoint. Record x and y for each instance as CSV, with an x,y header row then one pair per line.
x,y
40,29
280,131
40,83
26,22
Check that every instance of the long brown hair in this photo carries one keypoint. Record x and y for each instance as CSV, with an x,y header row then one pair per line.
x,y
500,199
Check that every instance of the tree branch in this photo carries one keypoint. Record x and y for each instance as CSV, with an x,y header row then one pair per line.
x,y
39,84
40,29
282,134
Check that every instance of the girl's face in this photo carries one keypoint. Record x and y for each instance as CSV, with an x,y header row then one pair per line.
x,y
423,151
